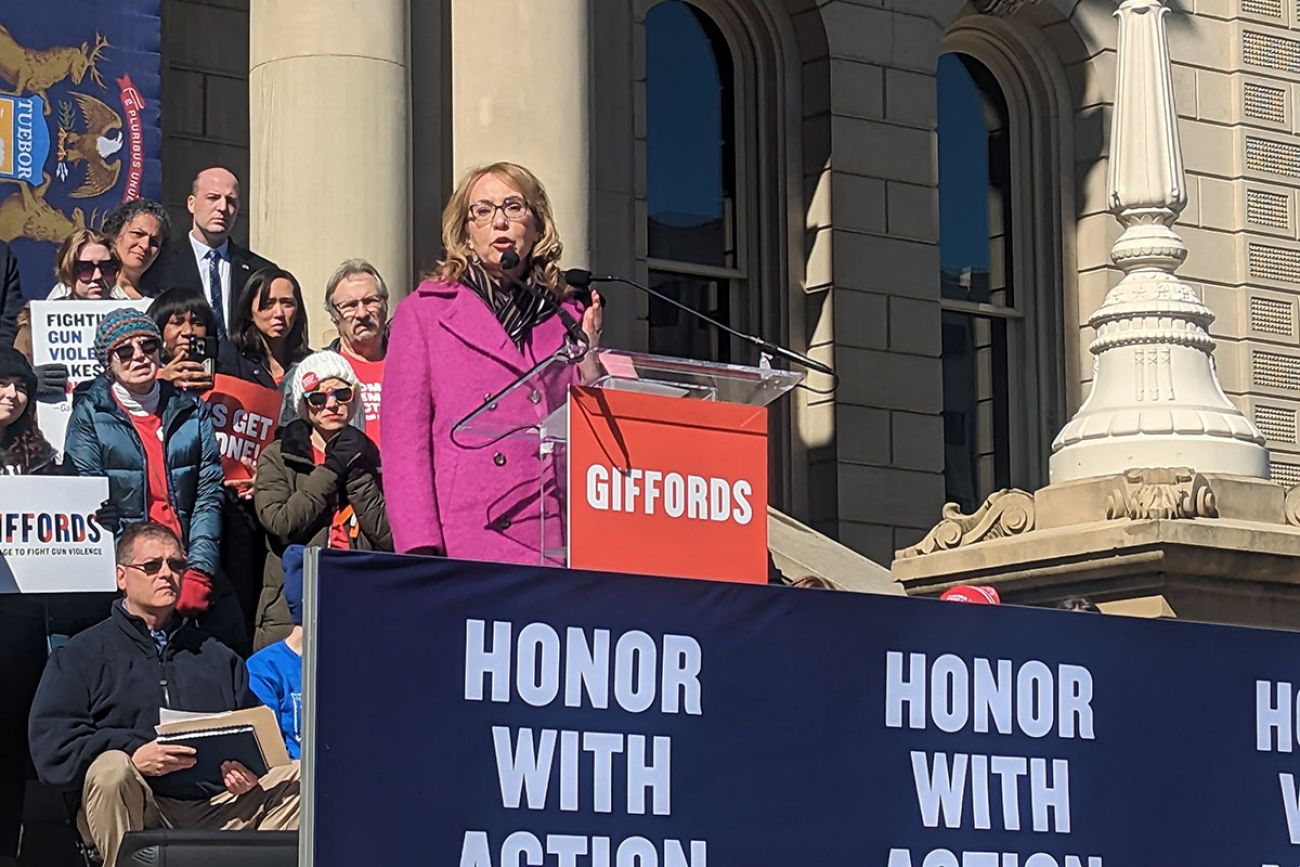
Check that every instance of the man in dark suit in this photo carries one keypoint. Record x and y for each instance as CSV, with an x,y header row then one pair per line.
x,y
11,295
206,260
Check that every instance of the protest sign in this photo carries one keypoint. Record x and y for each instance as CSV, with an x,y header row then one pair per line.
x,y
244,417
49,539
583,719
63,332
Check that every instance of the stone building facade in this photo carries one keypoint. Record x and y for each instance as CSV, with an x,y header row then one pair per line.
x,y
914,190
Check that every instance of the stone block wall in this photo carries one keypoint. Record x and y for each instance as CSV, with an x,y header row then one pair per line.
x,y
1257,105
874,256
204,98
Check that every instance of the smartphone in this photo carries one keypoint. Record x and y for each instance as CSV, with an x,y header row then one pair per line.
x,y
204,351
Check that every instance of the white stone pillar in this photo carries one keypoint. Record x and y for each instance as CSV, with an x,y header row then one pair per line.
x,y
521,91
328,106
1156,400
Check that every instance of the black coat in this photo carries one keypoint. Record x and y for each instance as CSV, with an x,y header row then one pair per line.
x,y
232,362
176,266
101,691
11,295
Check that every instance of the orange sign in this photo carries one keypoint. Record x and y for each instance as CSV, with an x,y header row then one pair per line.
x,y
244,416
666,486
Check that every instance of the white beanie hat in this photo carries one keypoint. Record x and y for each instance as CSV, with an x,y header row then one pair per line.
x,y
309,373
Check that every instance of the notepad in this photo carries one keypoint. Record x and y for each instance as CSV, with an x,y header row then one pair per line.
x,y
213,748
250,737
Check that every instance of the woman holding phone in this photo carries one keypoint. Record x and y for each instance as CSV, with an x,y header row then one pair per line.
x,y
189,329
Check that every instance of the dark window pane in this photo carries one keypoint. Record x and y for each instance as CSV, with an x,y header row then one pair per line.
x,y
674,332
976,407
974,183
689,135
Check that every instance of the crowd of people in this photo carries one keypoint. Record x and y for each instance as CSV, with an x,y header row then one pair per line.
x,y
209,564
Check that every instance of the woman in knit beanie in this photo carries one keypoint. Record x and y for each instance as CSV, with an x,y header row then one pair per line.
x,y
156,446
319,482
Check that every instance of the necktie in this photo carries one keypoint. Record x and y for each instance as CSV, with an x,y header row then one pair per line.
x,y
214,286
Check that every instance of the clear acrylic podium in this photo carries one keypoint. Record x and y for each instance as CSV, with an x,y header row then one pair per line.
x,y
535,407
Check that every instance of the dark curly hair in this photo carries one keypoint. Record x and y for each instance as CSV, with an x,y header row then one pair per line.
x,y
124,213
23,446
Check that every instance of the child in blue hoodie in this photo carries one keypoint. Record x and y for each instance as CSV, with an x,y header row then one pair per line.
x,y
275,671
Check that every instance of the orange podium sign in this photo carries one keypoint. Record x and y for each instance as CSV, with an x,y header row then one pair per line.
x,y
666,486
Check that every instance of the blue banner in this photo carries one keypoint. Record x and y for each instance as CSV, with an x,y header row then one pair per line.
x,y
79,121
474,715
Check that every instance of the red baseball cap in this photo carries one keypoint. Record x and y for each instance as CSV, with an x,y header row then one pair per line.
x,y
972,594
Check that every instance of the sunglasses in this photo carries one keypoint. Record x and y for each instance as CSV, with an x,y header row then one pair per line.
x,y
126,351
177,565
86,269
320,399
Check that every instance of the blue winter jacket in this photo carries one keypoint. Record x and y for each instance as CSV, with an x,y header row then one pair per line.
x,y
101,441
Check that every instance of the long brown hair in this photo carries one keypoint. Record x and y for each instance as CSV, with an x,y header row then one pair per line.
x,y
23,446
545,255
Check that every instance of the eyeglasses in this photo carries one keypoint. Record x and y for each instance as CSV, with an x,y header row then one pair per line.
x,y
351,308
320,399
176,565
482,213
85,269
127,351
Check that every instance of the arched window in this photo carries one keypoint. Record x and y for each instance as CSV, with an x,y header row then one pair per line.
x,y
1006,254
981,321
719,117
692,231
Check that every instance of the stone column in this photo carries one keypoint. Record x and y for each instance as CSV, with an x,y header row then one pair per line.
x,y
1156,400
521,91
328,106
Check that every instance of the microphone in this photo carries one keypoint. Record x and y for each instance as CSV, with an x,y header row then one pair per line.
x,y
581,279
510,261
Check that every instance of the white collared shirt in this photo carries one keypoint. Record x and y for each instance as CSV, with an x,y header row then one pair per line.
x,y
201,251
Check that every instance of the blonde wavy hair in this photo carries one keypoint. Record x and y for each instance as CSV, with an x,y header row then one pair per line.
x,y
65,262
545,255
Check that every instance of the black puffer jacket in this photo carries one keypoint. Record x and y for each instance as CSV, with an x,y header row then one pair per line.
x,y
101,691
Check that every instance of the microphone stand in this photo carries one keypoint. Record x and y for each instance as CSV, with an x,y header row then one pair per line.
x,y
581,279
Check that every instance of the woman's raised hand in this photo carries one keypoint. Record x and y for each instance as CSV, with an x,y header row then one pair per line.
x,y
185,374
593,319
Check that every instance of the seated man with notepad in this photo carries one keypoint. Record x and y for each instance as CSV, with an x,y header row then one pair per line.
x,y
95,717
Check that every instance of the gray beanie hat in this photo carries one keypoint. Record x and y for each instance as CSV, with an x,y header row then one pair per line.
x,y
309,373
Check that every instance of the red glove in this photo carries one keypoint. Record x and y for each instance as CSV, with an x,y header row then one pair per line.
x,y
196,588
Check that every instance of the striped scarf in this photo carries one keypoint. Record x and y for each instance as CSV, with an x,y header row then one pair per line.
x,y
517,311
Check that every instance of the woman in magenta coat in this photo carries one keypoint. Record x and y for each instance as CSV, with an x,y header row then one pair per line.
x,y
463,335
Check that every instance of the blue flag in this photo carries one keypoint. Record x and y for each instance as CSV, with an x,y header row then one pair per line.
x,y
79,130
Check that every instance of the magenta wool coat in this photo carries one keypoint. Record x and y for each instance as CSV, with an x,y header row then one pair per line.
x,y
446,354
